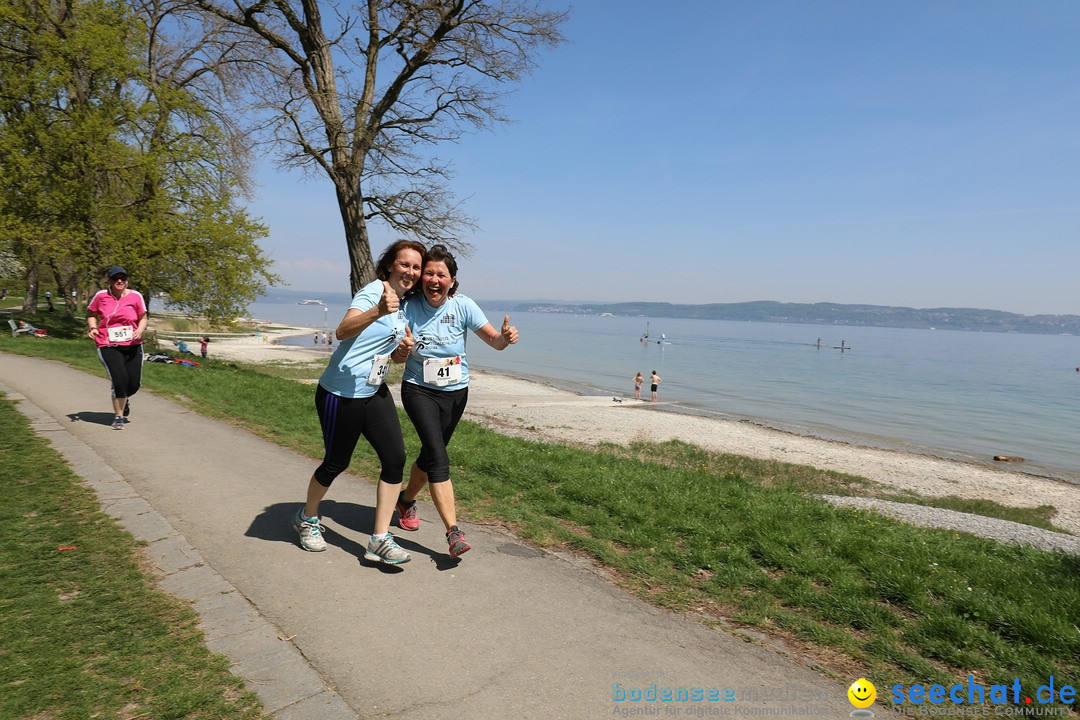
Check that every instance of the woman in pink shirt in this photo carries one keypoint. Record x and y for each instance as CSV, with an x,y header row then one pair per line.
x,y
115,320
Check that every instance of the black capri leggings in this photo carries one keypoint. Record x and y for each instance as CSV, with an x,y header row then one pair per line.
x,y
344,420
434,414
123,363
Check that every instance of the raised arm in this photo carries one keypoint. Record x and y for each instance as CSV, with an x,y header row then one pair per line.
x,y
357,321
499,339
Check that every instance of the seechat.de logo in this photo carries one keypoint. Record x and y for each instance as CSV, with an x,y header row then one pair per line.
x,y
976,694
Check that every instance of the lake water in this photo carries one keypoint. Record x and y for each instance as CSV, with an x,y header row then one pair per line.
x,y
962,395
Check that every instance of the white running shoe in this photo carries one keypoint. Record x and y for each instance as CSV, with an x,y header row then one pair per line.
x,y
386,550
311,535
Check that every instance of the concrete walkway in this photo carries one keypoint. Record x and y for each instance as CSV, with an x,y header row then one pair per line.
x,y
505,631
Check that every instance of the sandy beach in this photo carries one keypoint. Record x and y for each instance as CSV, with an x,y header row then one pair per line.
x,y
527,409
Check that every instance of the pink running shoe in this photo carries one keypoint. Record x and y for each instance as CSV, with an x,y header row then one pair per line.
x,y
456,540
407,517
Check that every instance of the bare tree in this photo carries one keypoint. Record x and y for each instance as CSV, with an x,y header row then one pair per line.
x,y
363,93
194,65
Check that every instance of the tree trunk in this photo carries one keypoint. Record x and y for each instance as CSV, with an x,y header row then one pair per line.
x,y
361,266
30,301
64,286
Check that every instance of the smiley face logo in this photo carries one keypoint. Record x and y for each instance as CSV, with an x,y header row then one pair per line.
x,y
862,693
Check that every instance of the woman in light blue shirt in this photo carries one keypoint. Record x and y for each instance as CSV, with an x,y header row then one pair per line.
x,y
435,388
352,399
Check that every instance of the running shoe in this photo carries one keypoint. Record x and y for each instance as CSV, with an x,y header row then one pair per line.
x,y
311,535
127,409
456,540
118,423
385,550
407,517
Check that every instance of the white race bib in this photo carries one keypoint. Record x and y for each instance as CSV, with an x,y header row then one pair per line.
x,y
442,371
121,333
379,366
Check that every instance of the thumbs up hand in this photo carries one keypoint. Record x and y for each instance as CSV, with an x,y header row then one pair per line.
x,y
408,343
401,352
388,303
509,332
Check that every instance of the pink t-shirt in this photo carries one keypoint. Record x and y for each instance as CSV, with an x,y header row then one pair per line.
x,y
118,318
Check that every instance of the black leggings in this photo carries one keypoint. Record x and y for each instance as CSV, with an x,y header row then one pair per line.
x,y
434,414
123,363
344,420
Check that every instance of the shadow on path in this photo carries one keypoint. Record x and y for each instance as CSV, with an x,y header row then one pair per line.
x,y
97,418
274,524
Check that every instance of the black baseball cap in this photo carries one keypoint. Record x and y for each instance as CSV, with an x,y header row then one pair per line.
x,y
116,270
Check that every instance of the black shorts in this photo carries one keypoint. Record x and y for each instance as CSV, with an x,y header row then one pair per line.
x,y
434,414
344,420
124,364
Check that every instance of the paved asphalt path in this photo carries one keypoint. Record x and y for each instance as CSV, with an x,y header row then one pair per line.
x,y
504,631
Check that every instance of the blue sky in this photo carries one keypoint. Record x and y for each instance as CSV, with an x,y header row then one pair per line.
x,y
913,153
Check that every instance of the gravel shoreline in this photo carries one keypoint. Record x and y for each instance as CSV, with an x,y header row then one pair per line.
x,y
1004,531
535,411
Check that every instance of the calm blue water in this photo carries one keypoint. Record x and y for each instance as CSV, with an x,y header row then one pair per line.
x,y
962,395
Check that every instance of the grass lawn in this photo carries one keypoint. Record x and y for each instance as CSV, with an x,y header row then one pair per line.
x,y
83,632
740,542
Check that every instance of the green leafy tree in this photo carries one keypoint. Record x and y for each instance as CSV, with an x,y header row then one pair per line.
x,y
63,67
109,157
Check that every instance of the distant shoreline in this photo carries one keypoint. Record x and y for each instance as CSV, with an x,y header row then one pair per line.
x,y
830,314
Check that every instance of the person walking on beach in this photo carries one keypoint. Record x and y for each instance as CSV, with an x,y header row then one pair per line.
x,y
638,379
352,399
115,321
655,384
435,387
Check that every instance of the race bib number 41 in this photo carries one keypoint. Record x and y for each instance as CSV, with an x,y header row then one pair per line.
x,y
442,371
122,333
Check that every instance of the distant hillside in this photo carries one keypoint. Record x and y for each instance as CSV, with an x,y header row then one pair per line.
x,y
833,314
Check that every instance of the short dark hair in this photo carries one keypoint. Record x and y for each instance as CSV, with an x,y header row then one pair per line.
x,y
386,260
441,253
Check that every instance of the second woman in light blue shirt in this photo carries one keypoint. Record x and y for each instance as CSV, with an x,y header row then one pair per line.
x,y
435,388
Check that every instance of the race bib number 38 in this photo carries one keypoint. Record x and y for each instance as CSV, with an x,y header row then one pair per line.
x,y
121,333
442,371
